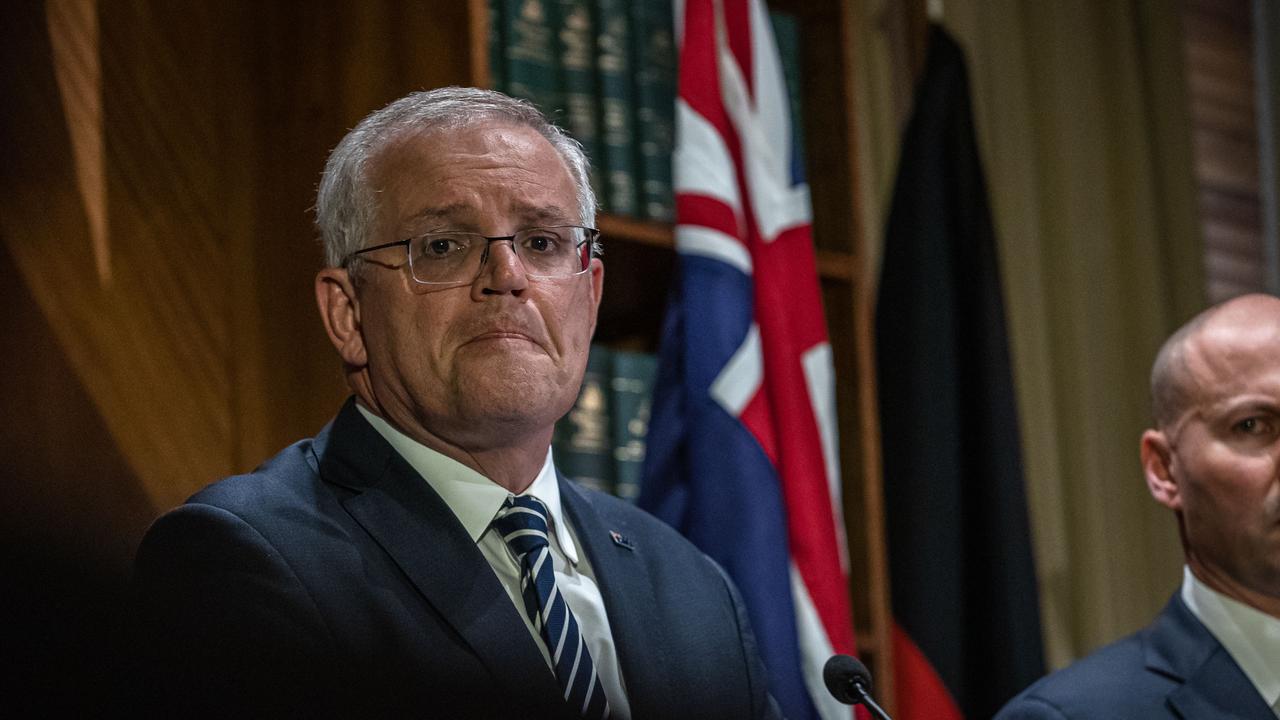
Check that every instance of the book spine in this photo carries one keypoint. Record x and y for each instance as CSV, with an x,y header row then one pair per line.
x,y
786,30
613,25
497,48
576,47
530,52
631,397
582,443
654,55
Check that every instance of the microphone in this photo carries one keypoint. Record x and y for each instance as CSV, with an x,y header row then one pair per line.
x,y
850,682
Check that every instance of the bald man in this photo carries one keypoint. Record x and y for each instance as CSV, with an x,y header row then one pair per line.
x,y
1213,458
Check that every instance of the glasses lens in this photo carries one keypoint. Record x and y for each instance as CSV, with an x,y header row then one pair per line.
x,y
554,251
446,257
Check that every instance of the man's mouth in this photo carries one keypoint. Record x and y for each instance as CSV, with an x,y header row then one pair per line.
x,y
502,335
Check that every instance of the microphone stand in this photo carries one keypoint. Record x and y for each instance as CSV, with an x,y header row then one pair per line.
x,y
865,698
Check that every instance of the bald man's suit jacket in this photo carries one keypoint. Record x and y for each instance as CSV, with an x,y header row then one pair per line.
x,y
333,580
1173,668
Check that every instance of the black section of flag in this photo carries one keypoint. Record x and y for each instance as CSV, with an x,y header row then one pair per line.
x,y
963,581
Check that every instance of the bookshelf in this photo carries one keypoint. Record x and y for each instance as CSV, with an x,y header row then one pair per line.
x,y
632,307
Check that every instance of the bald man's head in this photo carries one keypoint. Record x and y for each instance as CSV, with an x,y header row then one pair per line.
x,y
1173,389
1214,458
1170,391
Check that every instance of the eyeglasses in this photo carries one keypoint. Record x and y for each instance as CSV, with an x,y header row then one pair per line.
x,y
453,258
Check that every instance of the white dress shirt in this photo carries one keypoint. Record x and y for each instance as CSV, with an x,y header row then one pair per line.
x,y
1251,637
475,500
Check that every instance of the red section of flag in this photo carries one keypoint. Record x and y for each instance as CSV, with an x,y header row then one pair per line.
x,y
789,312
707,212
737,24
920,693
698,71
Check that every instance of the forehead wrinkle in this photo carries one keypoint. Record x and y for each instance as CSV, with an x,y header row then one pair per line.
x,y
526,195
531,215
547,214
439,212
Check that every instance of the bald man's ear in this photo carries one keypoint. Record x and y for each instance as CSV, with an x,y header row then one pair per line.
x,y
340,311
1157,461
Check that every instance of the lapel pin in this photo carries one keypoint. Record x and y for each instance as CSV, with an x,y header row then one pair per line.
x,y
621,540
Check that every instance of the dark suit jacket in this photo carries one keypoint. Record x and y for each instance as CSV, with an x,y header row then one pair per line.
x,y
1173,668
334,580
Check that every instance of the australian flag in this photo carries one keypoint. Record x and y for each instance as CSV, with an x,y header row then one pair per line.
x,y
742,453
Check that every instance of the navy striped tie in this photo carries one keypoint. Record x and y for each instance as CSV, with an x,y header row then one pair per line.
x,y
522,522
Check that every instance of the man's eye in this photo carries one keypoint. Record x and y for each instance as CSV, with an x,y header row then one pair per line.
x,y
541,243
441,246
1254,426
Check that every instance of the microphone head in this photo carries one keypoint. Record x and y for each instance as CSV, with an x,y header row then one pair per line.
x,y
842,674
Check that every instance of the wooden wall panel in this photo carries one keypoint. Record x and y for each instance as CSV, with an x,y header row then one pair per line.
x,y
71,512
158,161
196,337
147,342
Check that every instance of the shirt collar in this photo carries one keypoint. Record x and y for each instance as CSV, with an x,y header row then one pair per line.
x,y
1251,637
474,498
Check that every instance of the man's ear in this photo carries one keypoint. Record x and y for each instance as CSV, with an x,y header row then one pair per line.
x,y
597,290
340,311
1157,461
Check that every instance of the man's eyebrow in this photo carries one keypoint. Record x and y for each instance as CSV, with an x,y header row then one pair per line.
x,y
1246,403
534,215
546,214
439,212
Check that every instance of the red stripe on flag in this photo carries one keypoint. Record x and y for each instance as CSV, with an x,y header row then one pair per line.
x,y
737,24
920,693
757,418
708,212
789,312
787,282
698,74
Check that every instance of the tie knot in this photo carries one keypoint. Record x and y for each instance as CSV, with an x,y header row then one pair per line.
x,y
522,522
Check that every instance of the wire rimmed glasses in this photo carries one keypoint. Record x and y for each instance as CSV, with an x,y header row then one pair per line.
x,y
452,257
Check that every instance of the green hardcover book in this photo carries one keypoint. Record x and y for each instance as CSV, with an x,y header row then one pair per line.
x,y
631,398
497,48
613,72
786,30
654,55
576,46
582,443
528,29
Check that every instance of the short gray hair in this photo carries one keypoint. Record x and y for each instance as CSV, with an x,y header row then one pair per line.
x,y
346,206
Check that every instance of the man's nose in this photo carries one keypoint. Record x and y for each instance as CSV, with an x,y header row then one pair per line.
x,y
503,271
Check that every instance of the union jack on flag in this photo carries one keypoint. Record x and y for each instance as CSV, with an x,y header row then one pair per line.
x,y
742,455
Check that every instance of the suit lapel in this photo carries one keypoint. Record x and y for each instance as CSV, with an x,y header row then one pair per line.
x,y
1219,691
627,588
424,538
1213,685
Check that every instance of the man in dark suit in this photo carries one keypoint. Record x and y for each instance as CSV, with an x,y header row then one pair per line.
x,y
421,556
1214,459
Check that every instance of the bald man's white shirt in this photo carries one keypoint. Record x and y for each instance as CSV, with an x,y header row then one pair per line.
x,y
1250,636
